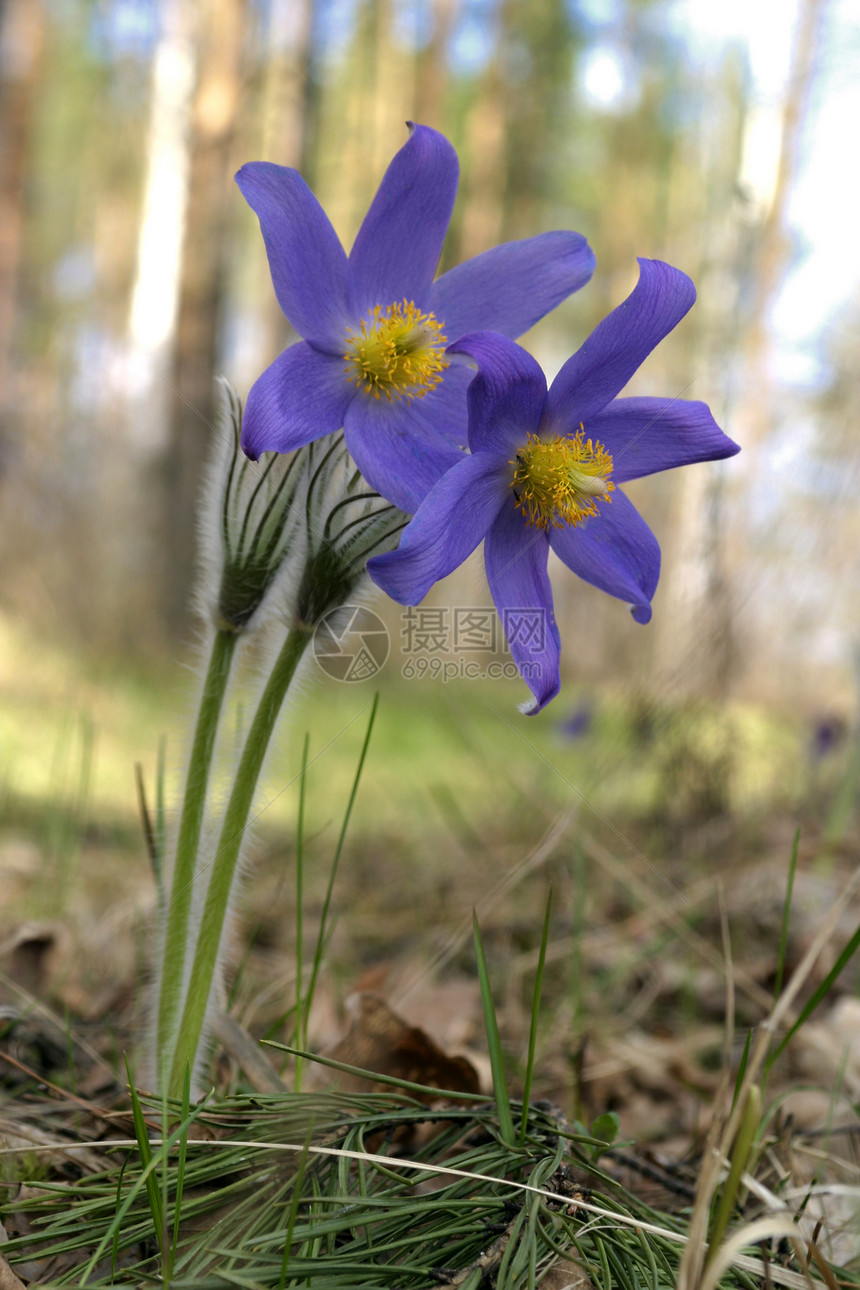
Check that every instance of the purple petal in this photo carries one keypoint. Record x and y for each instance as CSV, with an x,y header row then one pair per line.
x,y
443,412
396,457
304,394
646,435
445,530
398,245
614,550
516,560
509,288
620,344
507,396
310,271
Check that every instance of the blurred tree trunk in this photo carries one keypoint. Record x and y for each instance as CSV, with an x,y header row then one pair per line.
x,y
155,292
288,114
739,279
391,94
433,68
696,645
538,46
517,125
757,416
286,81
774,245
22,25
211,200
363,118
483,181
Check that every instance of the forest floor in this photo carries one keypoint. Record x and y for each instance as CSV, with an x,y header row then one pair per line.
x,y
666,833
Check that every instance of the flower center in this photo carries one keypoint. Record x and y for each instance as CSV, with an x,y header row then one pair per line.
x,y
559,481
398,352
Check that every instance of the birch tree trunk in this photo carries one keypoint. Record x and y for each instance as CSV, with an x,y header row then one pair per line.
x,y
433,67
155,294
211,198
696,648
701,646
483,174
287,122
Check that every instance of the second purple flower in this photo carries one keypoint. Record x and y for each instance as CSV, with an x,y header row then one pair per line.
x,y
544,471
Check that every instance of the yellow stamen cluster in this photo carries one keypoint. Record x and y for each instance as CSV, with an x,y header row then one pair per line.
x,y
398,352
559,481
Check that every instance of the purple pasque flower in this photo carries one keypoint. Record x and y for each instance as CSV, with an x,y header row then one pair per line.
x,y
375,324
544,471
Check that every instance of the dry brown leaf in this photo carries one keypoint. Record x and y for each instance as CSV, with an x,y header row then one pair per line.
x,y
381,1041
564,1275
8,1280
26,951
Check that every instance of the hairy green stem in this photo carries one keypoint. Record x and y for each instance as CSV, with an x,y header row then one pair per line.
x,y
188,840
226,857
741,1151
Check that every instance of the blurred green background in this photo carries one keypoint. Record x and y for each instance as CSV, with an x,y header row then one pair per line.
x,y
131,272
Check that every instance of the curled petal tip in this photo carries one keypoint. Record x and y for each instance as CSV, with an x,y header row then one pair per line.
x,y
546,692
641,613
247,445
676,287
459,357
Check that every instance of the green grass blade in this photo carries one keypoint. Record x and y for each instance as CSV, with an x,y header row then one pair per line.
x,y
321,937
298,1184
649,1261
183,1153
160,813
786,914
606,1282
153,1192
301,1015
494,1043
505,1277
530,1060
741,1151
164,1193
114,1254
742,1068
818,994
143,1181
147,825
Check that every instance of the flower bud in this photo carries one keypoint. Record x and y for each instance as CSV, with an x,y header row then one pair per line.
x,y
250,523
346,523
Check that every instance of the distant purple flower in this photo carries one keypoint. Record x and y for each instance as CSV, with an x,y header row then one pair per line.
x,y
827,734
578,723
375,324
544,472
